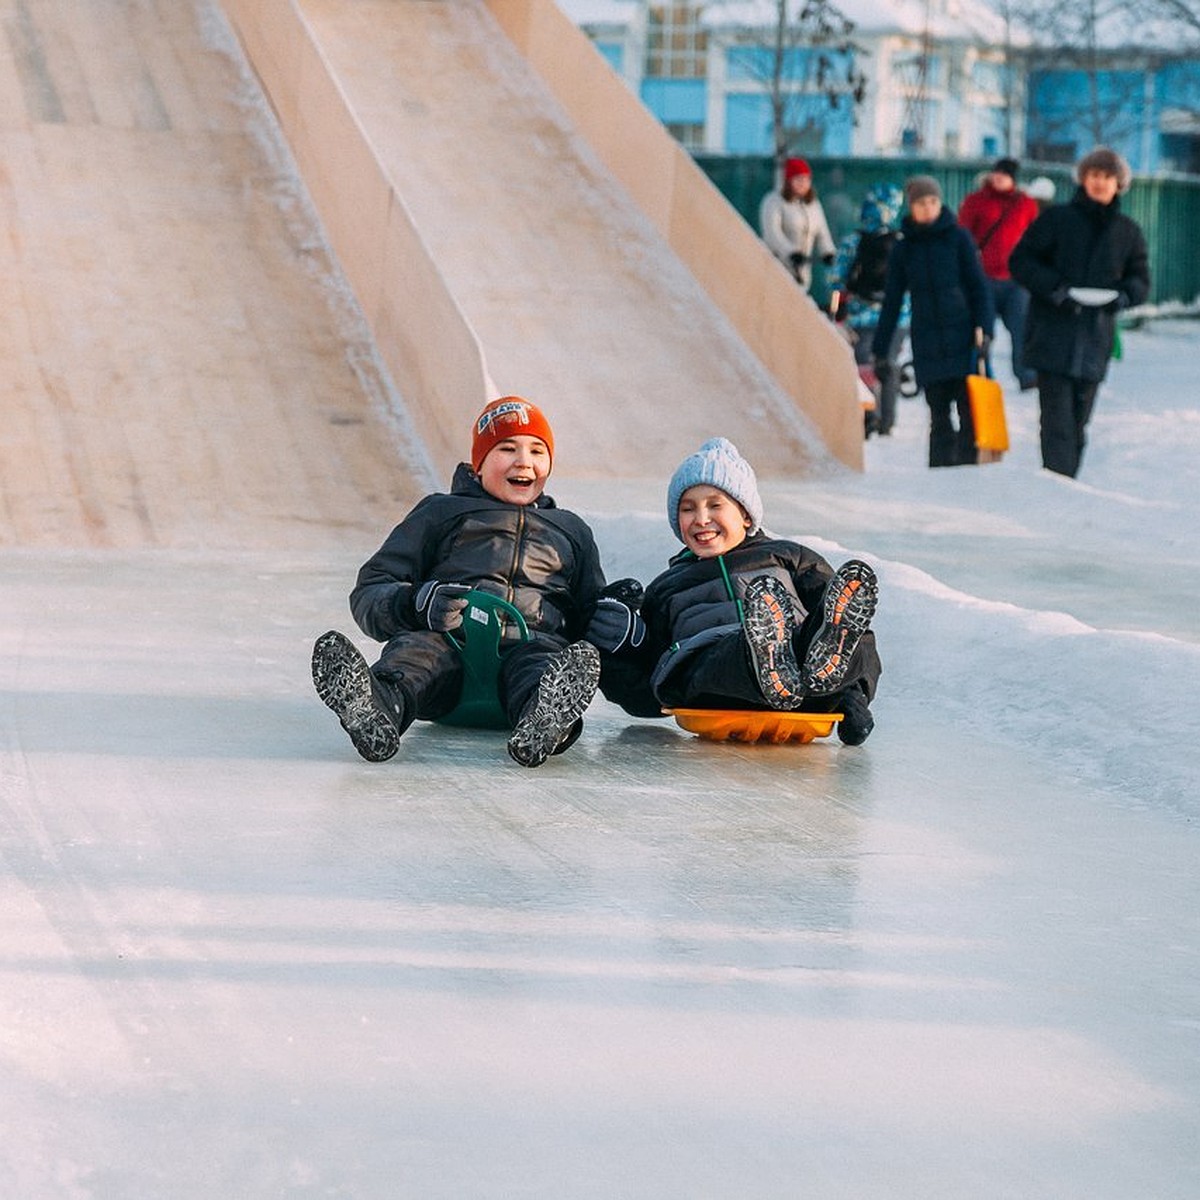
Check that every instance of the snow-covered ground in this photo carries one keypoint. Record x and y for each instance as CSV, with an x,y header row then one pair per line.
x,y
1059,613
962,960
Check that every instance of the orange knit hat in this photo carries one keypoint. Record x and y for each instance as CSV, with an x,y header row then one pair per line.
x,y
510,416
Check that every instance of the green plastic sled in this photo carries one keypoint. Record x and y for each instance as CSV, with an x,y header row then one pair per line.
x,y
478,641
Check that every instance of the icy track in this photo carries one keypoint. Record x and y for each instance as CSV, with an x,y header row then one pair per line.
x,y
959,961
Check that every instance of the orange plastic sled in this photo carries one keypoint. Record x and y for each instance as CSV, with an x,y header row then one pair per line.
x,y
749,725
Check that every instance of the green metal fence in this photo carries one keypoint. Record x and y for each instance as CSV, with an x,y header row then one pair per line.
x,y
1167,209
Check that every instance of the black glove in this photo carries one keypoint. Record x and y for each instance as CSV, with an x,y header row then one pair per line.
x,y
628,591
440,606
797,260
828,259
615,626
1061,298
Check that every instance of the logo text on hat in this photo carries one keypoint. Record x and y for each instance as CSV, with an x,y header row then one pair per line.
x,y
513,409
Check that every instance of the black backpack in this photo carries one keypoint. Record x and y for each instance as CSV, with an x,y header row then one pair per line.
x,y
868,271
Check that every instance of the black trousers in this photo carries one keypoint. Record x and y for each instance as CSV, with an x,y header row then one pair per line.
x,y
428,672
889,377
721,676
951,444
1066,405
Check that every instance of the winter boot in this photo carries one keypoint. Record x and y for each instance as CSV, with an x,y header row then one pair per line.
x,y
373,719
856,724
551,720
769,622
850,599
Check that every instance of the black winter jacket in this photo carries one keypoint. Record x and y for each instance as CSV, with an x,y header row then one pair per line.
x,y
538,557
938,265
694,595
696,600
1079,244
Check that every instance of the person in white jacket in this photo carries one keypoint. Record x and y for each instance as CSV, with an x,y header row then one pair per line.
x,y
793,224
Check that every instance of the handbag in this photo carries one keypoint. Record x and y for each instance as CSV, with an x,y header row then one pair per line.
x,y
986,398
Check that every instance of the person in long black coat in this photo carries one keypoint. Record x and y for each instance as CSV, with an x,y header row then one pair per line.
x,y
937,264
1087,243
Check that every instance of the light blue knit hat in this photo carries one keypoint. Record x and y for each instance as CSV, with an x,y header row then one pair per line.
x,y
718,464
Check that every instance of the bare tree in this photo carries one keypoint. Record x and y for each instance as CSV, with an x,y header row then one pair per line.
x,y
1180,15
1075,37
1113,45
809,51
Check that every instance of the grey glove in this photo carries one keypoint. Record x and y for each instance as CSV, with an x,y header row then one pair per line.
x,y
440,606
615,626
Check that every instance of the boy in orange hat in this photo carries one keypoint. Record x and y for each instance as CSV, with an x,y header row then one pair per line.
x,y
497,531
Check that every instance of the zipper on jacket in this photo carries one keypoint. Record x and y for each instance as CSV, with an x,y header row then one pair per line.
x,y
516,559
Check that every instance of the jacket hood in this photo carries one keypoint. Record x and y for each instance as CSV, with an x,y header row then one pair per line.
x,y
945,220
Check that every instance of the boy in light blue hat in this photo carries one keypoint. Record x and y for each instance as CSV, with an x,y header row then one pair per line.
x,y
740,618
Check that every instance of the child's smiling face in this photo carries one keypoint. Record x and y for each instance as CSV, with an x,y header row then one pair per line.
x,y
516,469
710,521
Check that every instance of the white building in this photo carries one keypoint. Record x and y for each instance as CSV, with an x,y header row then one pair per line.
x,y
936,74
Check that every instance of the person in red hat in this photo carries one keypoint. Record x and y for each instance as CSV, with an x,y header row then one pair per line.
x,y
793,223
496,531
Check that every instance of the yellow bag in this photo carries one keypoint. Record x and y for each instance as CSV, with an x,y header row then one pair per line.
x,y
986,398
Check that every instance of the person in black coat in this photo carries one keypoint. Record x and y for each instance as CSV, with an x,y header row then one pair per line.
x,y
496,531
740,619
952,316
1082,262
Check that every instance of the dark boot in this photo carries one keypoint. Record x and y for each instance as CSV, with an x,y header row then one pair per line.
x,y
850,600
552,718
372,714
769,622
